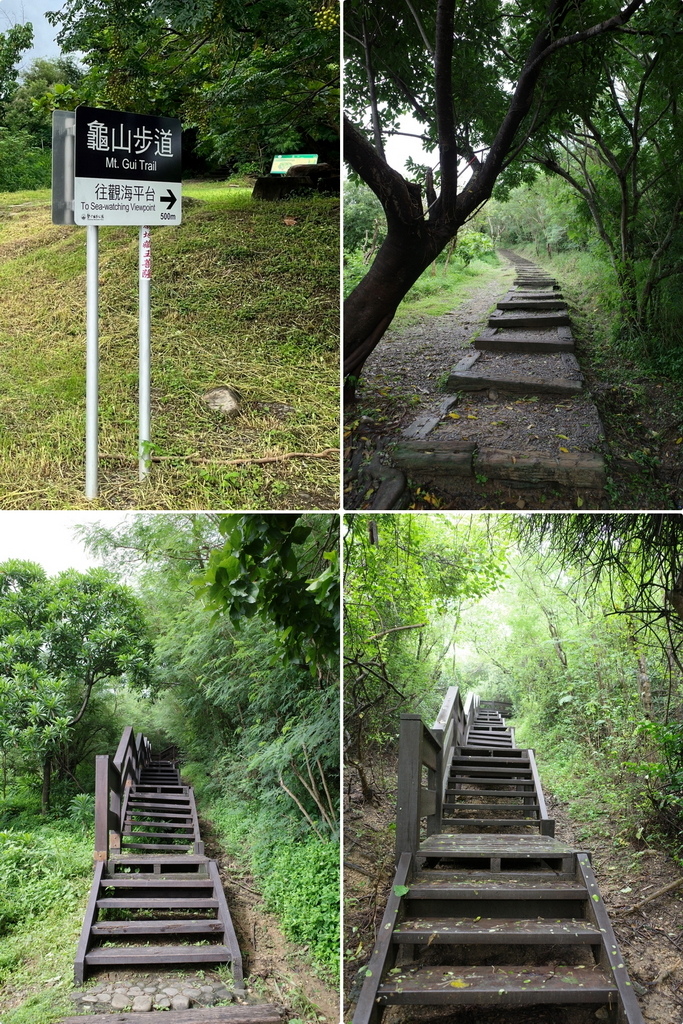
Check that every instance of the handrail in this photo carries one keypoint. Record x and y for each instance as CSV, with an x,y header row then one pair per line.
x,y
547,824
114,777
422,748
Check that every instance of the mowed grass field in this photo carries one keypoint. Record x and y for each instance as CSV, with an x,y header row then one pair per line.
x,y
239,298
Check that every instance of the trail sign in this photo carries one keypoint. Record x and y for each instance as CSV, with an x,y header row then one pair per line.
x,y
109,167
127,168
282,162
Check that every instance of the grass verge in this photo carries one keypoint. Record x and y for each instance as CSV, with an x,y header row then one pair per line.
x,y
243,294
441,288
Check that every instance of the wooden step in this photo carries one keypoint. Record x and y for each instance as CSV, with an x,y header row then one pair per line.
x,y
518,302
490,822
157,903
130,860
136,823
525,808
501,985
491,930
485,792
492,340
152,882
152,846
157,955
163,927
479,760
146,815
264,1013
540,320
189,836
496,887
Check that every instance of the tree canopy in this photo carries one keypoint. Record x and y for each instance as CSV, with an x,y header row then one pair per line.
x,y
487,83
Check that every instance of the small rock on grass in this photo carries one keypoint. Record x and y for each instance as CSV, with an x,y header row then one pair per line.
x,y
224,400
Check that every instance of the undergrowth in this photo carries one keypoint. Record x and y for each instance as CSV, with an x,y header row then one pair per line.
x,y
298,874
45,876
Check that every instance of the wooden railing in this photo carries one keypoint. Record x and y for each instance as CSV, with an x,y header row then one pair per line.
x,y
113,780
424,758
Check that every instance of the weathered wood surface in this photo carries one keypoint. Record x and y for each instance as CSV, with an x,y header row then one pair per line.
x,y
521,341
498,986
264,1014
438,458
540,304
542,320
469,380
583,469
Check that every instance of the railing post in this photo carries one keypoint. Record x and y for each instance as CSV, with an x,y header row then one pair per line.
x,y
435,782
115,809
408,797
102,807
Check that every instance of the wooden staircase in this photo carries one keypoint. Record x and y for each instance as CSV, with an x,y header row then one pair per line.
x,y
152,882
487,908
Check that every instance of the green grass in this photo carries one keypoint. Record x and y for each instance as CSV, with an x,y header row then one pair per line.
x,y
442,288
45,877
239,298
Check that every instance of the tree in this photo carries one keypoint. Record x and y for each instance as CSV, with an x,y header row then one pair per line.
x,y
622,157
253,79
12,44
285,567
60,638
25,112
450,68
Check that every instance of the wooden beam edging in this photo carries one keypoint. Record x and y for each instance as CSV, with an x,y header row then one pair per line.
x,y
538,789
265,1013
101,807
88,921
367,1011
124,743
597,912
230,937
417,748
197,842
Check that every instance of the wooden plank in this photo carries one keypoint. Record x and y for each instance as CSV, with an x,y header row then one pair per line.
x,y
517,985
229,936
157,955
409,782
101,807
384,952
582,469
156,903
264,1014
468,380
611,956
162,927
542,320
427,802
451,458
88,919
493,931
150,882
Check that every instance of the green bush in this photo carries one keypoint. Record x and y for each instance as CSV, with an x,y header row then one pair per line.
x,y
301,886
23,165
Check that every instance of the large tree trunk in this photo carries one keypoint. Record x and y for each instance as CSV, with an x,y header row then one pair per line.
x,y
403,256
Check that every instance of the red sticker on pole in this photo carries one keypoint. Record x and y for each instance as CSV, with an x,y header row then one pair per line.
x,y
146,255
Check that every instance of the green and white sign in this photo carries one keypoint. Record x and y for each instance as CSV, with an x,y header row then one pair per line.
x,y
281,164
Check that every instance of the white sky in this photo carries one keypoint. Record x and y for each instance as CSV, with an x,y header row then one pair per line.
x,y
47,538
18,12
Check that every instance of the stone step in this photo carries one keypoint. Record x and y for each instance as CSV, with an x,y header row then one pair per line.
x,y
554,340
540,320
541,304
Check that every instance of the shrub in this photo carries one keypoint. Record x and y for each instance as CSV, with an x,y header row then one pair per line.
x,y
22,164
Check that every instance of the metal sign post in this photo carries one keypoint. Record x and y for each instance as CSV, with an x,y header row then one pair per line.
x,y
92,362
145,414
111,167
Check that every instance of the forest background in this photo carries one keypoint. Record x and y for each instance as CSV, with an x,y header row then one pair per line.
x,y
576,619
556,131
215,633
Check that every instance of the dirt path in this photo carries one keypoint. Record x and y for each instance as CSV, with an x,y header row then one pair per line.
x,y
404,382
275,969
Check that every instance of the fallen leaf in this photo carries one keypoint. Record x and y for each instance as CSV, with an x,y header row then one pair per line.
x,y
289,221
565,450
454,415
563,436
